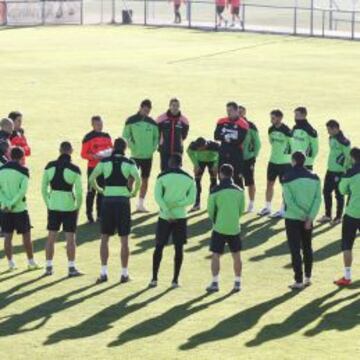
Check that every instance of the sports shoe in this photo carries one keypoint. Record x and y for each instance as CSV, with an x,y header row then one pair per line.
x,y
73,272
213,287
124,279
324,219
264,212
174,285
277,215
237,286
307,282
195,208
12,267
250,209
48,271
33,266
141,209
101,279
343,282
296,286
153,284
336,221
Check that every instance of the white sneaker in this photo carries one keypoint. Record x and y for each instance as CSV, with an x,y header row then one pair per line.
x,y
264,212
250,209
141,208
307,282
296,286
324,219
277,215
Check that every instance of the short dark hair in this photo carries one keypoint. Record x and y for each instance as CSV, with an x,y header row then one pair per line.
x,y
299,158
302,110
14,115
277,113
4,146
65,147
173,100
120,145
355,154
175,161
227,170
233,105
200,142
146,103
241,107
17,153
96,118
333,124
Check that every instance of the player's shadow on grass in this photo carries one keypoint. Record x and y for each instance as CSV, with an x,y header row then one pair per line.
x,y
163,322
40,314
236,324
11,276
301,318
102,320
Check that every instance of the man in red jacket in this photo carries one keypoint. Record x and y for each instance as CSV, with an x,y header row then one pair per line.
x,y
17,138
95,146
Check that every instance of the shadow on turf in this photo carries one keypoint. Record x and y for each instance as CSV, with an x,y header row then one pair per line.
x,y
163,322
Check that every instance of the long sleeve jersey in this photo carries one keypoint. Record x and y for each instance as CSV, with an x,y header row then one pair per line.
x,y
17,138
116,169
14,180
305,139
302,194
280,140
252,142
350,186
92,144
174,191
173,131
142,135
339,159
210,153
226,204
61,186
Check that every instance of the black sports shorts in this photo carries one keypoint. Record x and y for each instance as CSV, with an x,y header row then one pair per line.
x,y
116,215
66,219
145,167
249,172
19,222
350,227
176,228
218,241
277,171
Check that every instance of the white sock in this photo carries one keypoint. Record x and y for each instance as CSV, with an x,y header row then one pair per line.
x,y
11,263
124,272
31,262
71,264
347,273
251,204
141,202
49,263
216,279
237,279
268,205
104,270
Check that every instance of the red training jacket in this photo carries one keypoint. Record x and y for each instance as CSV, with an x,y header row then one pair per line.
x,y
17,138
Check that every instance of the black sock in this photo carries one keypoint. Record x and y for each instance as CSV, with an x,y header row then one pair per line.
x,y
178,259
198,191
157,260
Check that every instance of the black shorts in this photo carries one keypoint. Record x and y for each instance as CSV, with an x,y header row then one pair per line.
x,y
145,167
218,241
19,222
350,227
249,171
277,170
176,228
116,215
220,9
66,219
210,165
235,10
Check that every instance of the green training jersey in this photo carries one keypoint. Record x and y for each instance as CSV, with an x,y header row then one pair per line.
x,y
142,135
209,154
61,186
226,204
252,144
302,194
174,191
305,139
14,180
280,141
350,186
339,159
116,169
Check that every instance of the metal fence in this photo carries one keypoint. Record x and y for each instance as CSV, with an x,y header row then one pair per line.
x,y
325,18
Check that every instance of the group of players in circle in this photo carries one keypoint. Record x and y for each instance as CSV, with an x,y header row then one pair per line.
x,y
114,178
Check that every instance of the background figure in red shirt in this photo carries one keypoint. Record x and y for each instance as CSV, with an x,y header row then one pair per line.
x,y
220,7
177,14
17,138
235,12
95,146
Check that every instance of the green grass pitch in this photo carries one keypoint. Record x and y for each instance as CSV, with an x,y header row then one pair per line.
x,y
59,77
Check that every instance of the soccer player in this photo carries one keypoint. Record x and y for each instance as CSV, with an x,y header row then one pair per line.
x,y
350,186
251,148
17,138
6,129
280,138
174,191
95,145
231,132
173,129
177,14
225,207
116,213
13,187
305,137
235,12
220,8
4,158
302,196
203,154
142,135
339,162
62,193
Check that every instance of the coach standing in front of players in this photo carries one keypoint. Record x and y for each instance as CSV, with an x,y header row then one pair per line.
x,y
302,197
231,131
93,144
142,134
18,138
305,137
173,129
